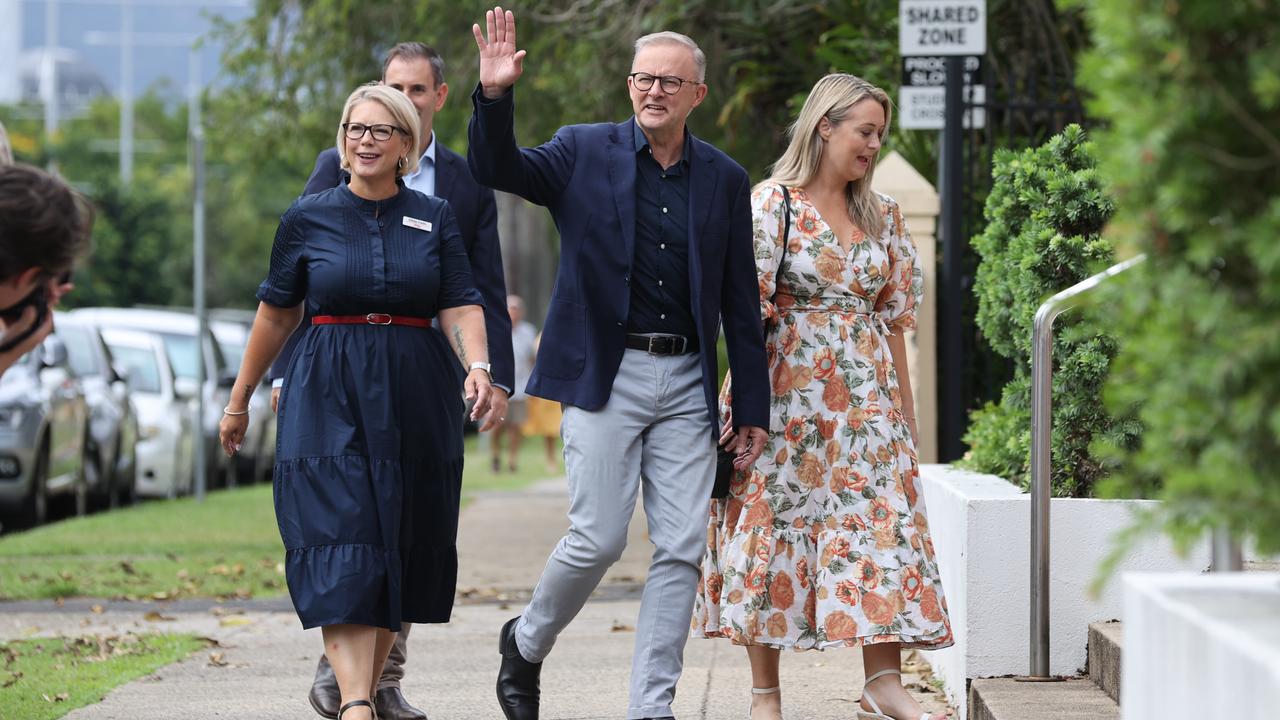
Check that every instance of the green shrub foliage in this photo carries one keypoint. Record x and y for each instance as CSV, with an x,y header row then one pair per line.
x,y
1189,92
1045,216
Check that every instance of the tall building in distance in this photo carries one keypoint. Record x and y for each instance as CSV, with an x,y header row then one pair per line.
x,y
10,49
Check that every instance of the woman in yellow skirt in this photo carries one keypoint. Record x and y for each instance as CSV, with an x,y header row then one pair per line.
x,y
543,419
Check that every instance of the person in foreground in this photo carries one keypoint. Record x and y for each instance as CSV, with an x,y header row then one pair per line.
x,y
824,541
369,467
44,226
655,232
418,71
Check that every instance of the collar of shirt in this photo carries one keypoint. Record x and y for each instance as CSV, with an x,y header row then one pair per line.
x,y
642,144
424,178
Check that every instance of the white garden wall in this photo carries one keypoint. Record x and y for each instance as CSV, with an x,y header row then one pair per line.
x,y
981,532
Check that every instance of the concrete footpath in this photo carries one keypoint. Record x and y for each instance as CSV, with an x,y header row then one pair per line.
x,y
262,664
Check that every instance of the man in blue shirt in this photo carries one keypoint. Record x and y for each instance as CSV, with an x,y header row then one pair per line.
x,y
417,70
656,255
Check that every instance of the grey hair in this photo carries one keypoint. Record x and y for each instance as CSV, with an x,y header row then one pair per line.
x,y
667,37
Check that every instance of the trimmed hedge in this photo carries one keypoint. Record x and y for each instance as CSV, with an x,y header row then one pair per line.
x,y
1190,94
1045,217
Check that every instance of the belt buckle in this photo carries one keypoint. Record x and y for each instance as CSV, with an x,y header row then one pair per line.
x,y
650,349
684,345
378,319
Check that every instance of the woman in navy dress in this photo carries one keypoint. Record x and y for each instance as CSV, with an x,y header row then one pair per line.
x,y
369,463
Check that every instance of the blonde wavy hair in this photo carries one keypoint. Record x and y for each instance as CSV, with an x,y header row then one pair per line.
x,y
833,97
402,112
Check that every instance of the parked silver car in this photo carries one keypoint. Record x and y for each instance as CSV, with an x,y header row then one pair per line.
x,y
178,331
257,455
44,425
166,417
111,464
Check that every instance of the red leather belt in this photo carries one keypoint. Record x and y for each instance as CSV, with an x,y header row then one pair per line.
x,y
371,319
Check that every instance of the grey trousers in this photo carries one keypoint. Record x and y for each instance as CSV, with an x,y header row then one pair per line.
x,y
655,436
392,671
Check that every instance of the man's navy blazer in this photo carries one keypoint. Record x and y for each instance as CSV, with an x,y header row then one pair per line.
x,y
586,177
477,215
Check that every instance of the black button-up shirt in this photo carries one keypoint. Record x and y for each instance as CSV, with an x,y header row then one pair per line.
x,y
660,297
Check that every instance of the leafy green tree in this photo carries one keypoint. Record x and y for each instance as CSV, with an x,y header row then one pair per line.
x,y
1045,216
1190,94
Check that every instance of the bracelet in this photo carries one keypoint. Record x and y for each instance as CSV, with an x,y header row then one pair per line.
x,y
227,411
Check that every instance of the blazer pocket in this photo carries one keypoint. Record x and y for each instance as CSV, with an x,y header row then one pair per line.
x,y
562,353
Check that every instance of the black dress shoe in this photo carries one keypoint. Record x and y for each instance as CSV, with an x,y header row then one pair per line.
x,y
517,678
325,696
391,705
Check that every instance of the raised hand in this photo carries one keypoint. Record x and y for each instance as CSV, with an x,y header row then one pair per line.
x,y
501,64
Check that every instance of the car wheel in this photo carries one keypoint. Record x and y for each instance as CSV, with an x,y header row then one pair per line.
x,y
35,510
87,476
111,478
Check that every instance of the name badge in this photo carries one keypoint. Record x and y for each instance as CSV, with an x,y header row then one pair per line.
x,y
416,223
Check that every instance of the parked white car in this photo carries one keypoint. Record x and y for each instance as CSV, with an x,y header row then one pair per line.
x,y
110,466
257,455
44,426
178,331
166,416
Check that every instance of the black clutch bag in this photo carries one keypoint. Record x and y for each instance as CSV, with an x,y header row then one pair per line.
x,y
724,473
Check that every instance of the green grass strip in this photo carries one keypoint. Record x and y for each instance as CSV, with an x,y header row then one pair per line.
x,y
46,678
228,547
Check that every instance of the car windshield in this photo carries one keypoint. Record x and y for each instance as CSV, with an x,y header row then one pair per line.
x,y
233,353
80,355
181,350
140,367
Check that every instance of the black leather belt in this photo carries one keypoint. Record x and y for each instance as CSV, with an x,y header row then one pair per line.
x,y
662,344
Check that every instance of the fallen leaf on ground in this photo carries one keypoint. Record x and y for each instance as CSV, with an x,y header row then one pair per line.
x,y
155,616
96,609
128,568
216,659
234,621
620,627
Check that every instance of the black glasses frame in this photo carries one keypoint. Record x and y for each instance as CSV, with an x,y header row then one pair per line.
x,y
644,82
380,132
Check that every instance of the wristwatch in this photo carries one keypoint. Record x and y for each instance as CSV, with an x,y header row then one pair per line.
x,y
478,365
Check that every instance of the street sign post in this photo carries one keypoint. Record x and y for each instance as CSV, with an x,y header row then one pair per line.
x,y
952,29
942,27
921,100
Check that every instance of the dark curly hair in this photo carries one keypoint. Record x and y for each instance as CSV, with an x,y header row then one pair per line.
x,y
44,223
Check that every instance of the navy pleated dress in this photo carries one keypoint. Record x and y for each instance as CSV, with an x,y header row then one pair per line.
x,y
369,458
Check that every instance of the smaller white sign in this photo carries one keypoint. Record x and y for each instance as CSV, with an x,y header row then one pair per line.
x,y
924,108
942,27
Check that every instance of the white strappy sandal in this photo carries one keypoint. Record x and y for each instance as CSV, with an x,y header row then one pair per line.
x,y
763,691
878,714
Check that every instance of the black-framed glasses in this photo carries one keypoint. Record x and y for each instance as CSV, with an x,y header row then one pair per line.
x,y
670,84
356,131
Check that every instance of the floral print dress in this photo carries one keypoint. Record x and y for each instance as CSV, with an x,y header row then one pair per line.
x,y
824,542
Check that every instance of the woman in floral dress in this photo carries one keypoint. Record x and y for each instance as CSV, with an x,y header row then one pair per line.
x,y
824,541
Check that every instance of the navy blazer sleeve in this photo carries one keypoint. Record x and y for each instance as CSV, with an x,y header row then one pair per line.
x,y
326,174
486,264
740,317
538,174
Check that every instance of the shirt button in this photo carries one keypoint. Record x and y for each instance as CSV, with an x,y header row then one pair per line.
x,y
663,316
664,211
663,246
659,283
619,324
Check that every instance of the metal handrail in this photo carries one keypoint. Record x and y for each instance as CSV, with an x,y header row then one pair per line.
x,y
1041,443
